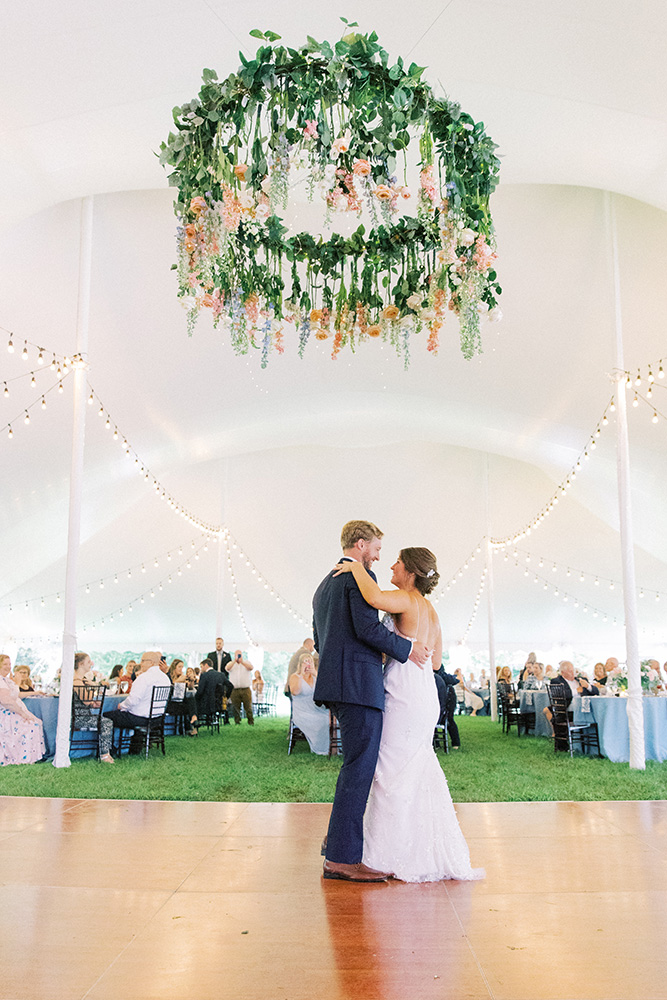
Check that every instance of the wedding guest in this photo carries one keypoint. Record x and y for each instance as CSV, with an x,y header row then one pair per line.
x,y
471,700
126,679
23,678
133,712
21,733
311,719
177,671
446,685
504,682
527,680
550,673
209,682
539,674
612,667
307,646
532,658
116,674
83,715
600,678
219,657
240,675
257,685
483,679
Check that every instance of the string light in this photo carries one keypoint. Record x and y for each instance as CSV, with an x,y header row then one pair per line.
x,y
561,489
475,606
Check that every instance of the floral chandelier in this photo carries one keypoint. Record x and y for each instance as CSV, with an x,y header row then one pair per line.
x,y
341,125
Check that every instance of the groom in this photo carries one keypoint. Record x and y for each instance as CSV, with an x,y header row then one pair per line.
x,y
350,641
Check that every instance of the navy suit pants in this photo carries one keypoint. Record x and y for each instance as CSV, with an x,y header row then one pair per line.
x,y
360,731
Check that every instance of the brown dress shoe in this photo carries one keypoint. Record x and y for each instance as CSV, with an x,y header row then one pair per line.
x,y
353,873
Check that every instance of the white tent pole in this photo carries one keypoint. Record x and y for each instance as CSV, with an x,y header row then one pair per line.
x,y
76,483
490,603
635,703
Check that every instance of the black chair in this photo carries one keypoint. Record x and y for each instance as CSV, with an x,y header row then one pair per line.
x,y
295,734
87,708
152,734
177,708
440,741
566,732
512,714
335,744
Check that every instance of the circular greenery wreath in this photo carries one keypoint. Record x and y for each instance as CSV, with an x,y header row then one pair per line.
x,y
346,116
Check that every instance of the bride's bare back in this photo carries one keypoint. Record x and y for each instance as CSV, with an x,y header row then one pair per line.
x,y
421,622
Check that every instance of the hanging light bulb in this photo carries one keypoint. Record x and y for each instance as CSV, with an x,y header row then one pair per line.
x,y
40,357
52,366
6,390
10,346
638,380
661,373
635,401
60,387
24,352
10,433
33,381
26,419
654,418
628,380
91,399
604,420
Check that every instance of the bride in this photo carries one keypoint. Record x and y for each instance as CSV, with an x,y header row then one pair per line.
x,y
410,826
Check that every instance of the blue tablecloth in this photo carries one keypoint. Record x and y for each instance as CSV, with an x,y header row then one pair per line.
x,y
46,709
611,715
536,701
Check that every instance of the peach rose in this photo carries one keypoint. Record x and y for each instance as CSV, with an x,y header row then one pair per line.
x,y
340,145
414,301
362,168
383,192
240,170
315,315
321,335
373,331
391,312
198,204
191,230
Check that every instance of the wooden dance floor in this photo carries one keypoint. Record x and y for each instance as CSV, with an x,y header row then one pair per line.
x,y
116,900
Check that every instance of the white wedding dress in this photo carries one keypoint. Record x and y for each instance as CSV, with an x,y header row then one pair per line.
x,y
410,825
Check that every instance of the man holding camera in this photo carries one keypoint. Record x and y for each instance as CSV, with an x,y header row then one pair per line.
x,y
240,674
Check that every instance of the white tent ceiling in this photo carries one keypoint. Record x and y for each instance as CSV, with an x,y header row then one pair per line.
x,y
574,95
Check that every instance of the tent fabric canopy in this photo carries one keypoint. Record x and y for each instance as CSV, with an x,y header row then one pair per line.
x,y
284,456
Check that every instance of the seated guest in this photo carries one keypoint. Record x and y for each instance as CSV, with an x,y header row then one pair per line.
x,y
24,680
209,682
527,680
539,675
21,733
550,672
446,687
114,677
566,680
307,646
599,678
584,686
133,712
177,671
257,685
612,667
83,716
504,682
127,677
311,719
483,679
471,700
239,674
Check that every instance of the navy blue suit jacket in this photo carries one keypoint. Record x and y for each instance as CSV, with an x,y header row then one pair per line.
x,y
350,640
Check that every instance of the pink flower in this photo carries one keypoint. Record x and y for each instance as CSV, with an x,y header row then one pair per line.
x,y
311,128
198,204
383,192
361,168
340,145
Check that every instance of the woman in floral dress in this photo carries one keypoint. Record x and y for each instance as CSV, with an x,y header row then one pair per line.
x,y
21,733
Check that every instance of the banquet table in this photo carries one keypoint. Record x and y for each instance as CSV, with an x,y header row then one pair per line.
x,y
46,709
536,701
611,715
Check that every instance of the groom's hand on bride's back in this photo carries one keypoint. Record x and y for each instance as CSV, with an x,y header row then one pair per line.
x,y
420,654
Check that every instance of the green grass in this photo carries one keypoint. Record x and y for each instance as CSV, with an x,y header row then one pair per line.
x,y
251,765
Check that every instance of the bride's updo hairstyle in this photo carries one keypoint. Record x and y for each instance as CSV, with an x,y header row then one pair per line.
x,y
423,564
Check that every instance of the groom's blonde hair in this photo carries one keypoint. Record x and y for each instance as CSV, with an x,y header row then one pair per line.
x,y
353,531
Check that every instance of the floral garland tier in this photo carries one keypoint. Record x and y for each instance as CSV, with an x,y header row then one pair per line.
x,y
344,117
